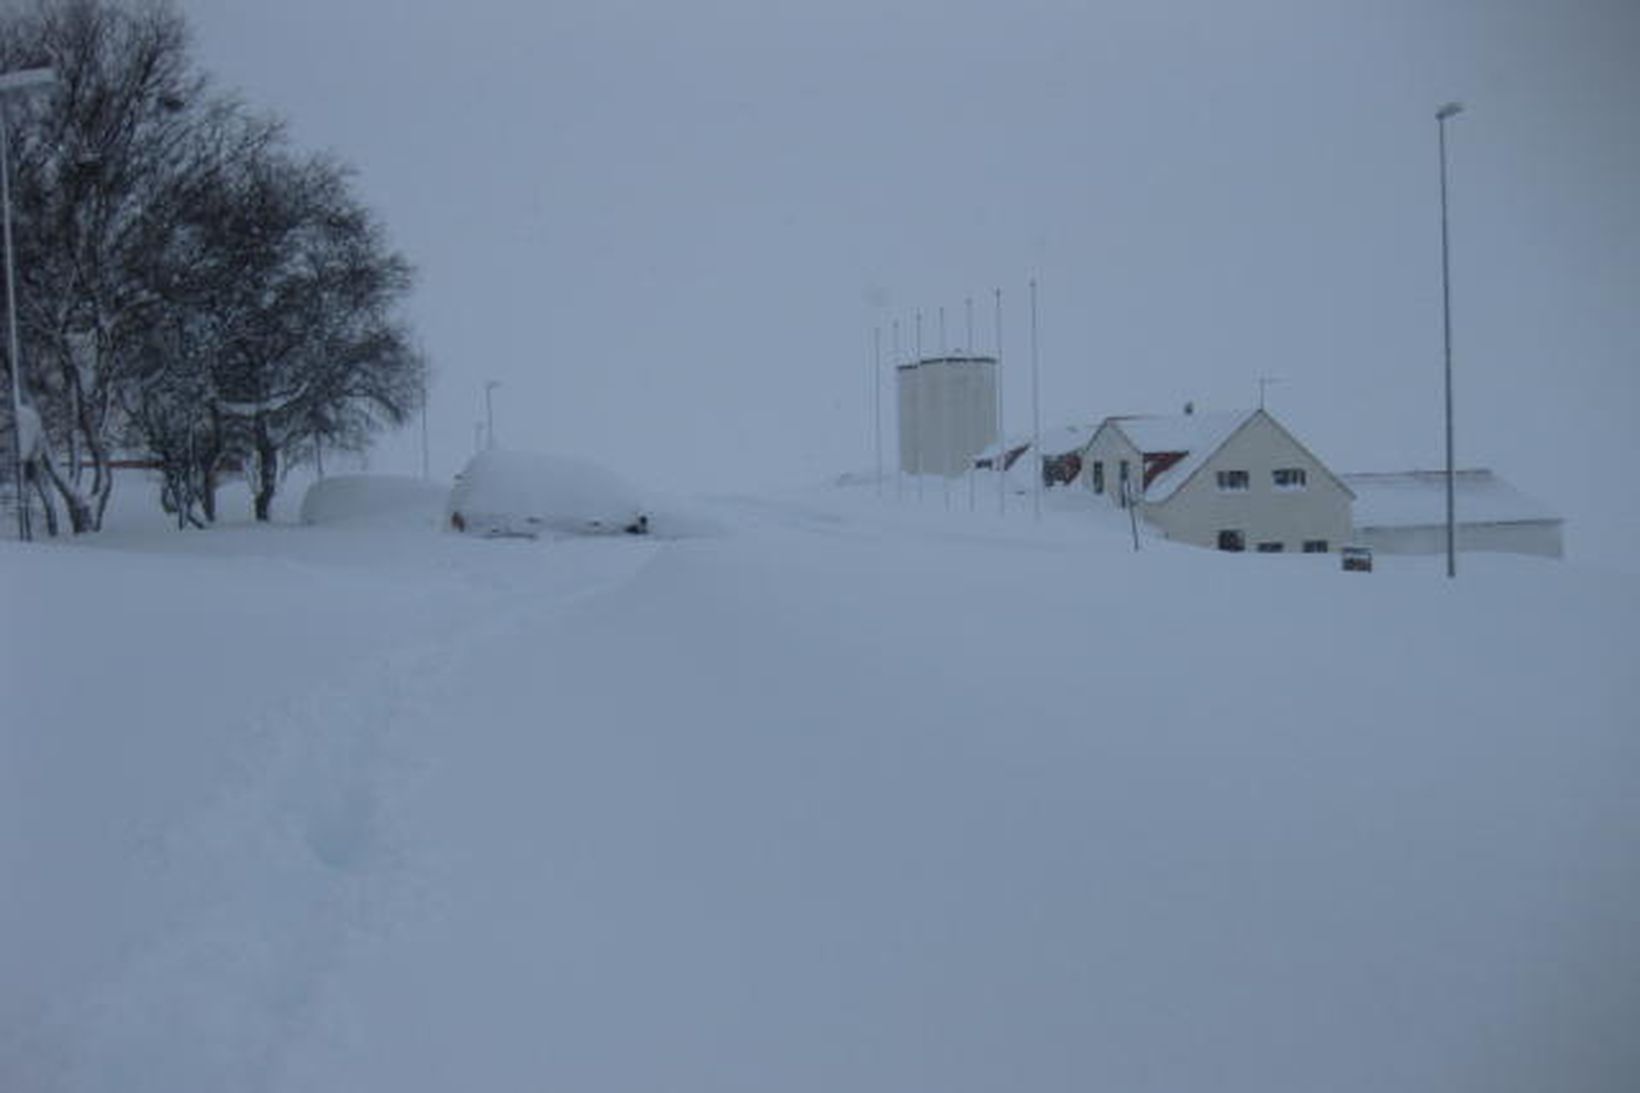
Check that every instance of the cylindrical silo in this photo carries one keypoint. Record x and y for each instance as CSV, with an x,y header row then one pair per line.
x,y
947,412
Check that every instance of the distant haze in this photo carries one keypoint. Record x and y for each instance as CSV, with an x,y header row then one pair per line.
x,y
669,229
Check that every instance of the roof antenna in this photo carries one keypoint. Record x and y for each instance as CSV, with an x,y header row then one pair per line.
x,y
1263,382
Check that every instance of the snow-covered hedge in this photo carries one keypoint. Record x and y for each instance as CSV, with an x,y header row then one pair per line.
x,y
374,500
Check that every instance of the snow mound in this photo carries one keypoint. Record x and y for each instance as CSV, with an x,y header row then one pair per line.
x,y
373,500
502,493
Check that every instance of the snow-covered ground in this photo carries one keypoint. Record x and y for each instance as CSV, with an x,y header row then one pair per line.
x,y
838,795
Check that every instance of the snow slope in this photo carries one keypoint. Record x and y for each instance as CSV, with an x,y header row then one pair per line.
x,y
851,796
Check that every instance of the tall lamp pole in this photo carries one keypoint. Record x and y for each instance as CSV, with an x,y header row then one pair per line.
x,y
877,401
28,79
489,414
1451,109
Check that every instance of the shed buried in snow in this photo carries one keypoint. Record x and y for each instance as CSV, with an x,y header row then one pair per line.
x,y
1404,512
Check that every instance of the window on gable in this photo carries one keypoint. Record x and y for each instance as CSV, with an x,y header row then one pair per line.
x,y
1099,477
1271,548
1288,478
1232,481
1315,546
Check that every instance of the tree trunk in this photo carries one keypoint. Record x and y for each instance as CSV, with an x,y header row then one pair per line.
x,y
267,474
207,492
46,506
79,512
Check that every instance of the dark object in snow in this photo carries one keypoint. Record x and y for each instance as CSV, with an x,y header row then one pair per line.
x,y
640,526
1356,559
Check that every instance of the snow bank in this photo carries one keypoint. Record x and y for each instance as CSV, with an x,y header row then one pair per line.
x,y
523,493
374,500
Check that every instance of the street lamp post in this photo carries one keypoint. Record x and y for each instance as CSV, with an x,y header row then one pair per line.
x,y
1449,110
489,413
21,82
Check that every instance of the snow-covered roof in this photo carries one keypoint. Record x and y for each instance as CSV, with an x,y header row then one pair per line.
x,y
1067,438
1405,499
1055,441
957,357
995,448
1198,436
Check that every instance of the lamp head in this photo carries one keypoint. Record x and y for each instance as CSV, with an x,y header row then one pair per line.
x,y
1448,110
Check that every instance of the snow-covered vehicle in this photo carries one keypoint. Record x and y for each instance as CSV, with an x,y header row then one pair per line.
x,y
526,495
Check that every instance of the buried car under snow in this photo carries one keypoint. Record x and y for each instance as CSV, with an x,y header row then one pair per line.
x,y
520,494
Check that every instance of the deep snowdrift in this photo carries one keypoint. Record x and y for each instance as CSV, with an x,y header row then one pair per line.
x,y
857,797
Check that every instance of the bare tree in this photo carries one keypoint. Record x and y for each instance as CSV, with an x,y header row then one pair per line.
x,y
192,285
92,160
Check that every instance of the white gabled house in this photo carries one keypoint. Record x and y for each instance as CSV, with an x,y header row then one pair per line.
x,y
1231,481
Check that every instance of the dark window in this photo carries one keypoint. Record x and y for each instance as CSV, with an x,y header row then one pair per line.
x,y
1232,480
1231,539
1127,485
1099,477
1288,478
1271,548
1315,546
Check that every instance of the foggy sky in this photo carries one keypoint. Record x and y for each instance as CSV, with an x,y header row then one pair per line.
x,y
669,229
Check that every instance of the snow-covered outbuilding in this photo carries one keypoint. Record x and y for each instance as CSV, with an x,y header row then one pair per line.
x,y
1404,512
1061,453
1233,481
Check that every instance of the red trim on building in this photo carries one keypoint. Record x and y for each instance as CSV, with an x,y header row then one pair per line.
x,y
1157,462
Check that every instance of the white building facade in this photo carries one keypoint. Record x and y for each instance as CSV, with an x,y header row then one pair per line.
x,y
1232,481
947,413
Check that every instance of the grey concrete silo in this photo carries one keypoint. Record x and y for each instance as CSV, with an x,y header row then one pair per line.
x,y
947,412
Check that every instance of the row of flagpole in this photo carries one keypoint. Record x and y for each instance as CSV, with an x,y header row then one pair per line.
x,y
999,461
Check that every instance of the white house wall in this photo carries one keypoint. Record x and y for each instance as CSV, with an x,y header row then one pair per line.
x,y
1542,538
1109,447
1198,510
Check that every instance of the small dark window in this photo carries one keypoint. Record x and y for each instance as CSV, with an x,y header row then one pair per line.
x,y
1232,480
1315,546
1099,477
1232,540
1271,548
1288,478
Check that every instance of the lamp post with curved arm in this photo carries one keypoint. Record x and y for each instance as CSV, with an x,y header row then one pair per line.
x,y
20,82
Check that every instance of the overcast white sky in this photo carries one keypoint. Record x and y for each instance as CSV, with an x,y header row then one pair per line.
x,y
668,229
